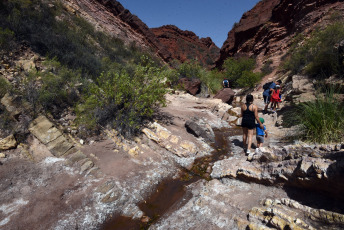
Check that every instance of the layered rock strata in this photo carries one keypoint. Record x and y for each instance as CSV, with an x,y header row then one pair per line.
x,y
303,167
185,45
267,30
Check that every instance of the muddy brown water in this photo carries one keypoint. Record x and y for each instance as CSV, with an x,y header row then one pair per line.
x,y
171,194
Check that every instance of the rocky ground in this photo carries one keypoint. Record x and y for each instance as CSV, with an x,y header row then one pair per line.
x,y
186,170
57,182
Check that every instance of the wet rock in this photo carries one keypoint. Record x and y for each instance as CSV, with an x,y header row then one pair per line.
x,y
215,205
8,143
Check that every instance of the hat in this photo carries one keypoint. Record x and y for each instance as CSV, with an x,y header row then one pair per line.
x,y
261,120
278,86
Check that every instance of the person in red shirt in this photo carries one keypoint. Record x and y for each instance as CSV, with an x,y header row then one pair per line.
x,y
275,98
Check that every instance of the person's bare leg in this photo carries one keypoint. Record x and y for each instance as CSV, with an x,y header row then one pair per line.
x,y
249,138
244,136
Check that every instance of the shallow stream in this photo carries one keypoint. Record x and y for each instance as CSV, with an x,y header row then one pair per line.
x,y
171,194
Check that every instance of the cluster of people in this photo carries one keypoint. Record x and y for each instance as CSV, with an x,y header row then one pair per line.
x,y
249,113
272,94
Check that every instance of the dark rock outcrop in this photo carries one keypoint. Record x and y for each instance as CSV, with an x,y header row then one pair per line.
x,y
192,86
226,95
185,45
199,128
267,30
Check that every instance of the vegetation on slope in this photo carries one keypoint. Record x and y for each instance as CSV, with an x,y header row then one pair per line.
x,y
319,56
106,82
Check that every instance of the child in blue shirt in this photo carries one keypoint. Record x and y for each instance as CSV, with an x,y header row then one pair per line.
x,y
260,133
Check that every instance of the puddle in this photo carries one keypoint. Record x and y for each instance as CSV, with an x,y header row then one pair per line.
x,y
171,194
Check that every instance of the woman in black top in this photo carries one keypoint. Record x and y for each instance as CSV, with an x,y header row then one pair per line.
x,y
249,113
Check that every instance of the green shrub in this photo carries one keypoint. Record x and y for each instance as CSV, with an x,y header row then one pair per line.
x,y
189,70
71,39
249,79
4,87
6,38
122,100
213,79
267,69
322,120
239,72
53,90
317,56
7,124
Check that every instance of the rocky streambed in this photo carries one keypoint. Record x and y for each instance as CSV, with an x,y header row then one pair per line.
x,y
170,177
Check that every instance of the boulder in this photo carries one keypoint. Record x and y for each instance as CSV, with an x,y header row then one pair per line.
x,y
302,84
226,95
8,143
199,128
191,86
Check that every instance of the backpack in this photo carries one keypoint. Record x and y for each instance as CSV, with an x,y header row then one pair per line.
x,y
226,83
267,85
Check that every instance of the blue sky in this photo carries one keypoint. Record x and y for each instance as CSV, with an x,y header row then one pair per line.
x,y
206,18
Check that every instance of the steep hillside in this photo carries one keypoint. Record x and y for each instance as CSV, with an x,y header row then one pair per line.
x,y
168,42
112,17
267,30
185,45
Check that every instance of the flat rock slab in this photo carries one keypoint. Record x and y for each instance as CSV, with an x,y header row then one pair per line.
x,y
49,135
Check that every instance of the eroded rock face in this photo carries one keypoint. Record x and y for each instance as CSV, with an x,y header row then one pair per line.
x,y
268,29
303,167
185,45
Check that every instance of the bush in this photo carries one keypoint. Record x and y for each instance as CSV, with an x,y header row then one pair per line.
x,y
51,91
322,120
71,39
122,100
6,38
239,72
249,79
212,79
4,87
317,56
267,69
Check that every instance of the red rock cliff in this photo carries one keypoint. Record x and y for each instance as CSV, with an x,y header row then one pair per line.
x,y
266,31
118,10
185,45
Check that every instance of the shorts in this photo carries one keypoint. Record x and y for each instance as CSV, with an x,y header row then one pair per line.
x,y
266,99
260,139
249,125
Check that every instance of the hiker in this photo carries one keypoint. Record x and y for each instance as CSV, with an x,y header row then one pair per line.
x,y
260,134
249,113
225,83
268,88
275,98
